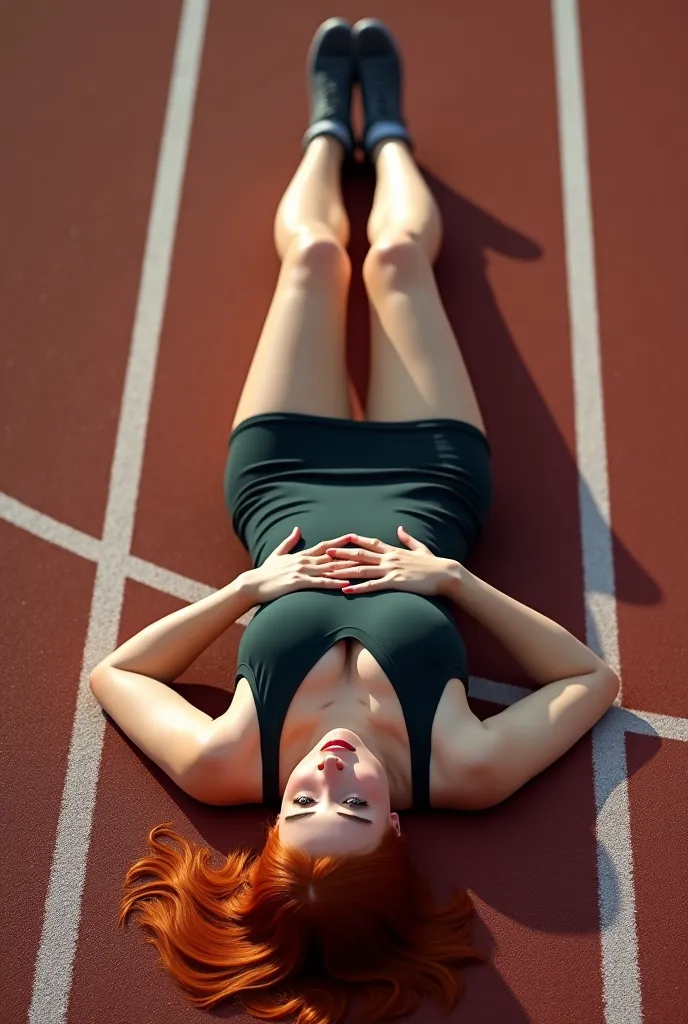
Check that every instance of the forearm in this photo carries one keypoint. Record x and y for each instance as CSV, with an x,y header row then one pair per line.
x,y
167,647
544,649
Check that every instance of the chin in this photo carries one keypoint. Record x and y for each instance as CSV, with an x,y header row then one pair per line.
x,y
342,733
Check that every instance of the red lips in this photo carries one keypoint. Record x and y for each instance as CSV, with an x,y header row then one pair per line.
x,y
338,743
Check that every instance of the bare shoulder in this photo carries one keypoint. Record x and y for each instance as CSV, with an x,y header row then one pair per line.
x,y
231,763
463,757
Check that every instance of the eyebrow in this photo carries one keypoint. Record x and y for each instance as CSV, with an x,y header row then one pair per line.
x,y
351,817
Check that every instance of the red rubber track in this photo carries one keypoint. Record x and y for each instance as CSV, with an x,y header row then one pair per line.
x,y
86,89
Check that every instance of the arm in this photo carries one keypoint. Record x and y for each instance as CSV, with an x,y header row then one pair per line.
x,y
130,684
577,687
492,759
167,647
199,753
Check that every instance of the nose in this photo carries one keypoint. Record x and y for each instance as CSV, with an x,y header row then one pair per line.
x,y
330,762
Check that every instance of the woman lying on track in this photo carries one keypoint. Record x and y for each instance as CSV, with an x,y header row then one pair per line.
x,y
350,701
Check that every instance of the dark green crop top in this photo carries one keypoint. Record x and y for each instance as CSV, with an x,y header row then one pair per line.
x,y
413,639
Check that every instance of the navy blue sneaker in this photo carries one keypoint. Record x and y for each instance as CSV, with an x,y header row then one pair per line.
x,y
379,70
330,69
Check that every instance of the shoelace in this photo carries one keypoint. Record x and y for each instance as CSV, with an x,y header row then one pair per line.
x,y
330,90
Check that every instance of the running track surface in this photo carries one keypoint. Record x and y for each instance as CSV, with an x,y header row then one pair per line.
x,y
146,147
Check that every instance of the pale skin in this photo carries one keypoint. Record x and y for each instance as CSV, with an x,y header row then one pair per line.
x,y
416,371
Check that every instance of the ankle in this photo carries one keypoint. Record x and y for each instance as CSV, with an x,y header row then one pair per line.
x,y
328,148
391,145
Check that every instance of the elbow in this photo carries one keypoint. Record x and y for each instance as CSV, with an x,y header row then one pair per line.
x,y
616,687
96,685
615,682
610,681
96,678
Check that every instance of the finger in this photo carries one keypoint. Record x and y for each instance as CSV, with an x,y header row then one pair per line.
x,y
372,543
359,571
324,568
323,581
354,554
288,542
409,540
367,587
326,560
319,549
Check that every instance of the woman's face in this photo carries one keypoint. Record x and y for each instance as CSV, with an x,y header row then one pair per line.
x,y
329,792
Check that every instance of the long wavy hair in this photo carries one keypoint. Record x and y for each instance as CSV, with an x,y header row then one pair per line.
x,y
290,934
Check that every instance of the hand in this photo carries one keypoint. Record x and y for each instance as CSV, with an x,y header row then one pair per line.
x,y
385,567
282,572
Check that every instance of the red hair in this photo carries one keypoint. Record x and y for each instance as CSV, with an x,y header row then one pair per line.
x,y
292,934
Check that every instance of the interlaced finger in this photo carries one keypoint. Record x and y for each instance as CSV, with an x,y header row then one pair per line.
x,y
325,581
368,585
322,559
358,554
357,571
372,543
322,566
321,548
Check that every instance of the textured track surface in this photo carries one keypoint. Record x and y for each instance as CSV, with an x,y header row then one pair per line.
x,y
145,149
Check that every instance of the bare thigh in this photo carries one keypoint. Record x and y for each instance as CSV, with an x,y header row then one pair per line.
x,y
417,370
299,364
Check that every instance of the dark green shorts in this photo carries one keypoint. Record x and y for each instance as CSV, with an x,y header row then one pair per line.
x,y
331,476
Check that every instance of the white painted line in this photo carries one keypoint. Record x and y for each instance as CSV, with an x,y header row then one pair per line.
x,y
93,549
52,980
616,896
598,563
643,723
166,581
647,723
670,727
49,529
172,583
616,891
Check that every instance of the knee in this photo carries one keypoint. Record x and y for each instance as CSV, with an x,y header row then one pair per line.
x,y
313,254
395,263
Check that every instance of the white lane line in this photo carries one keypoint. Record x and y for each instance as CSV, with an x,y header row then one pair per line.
x,y
648,723
593,496
172,583
642,723
157,577
52,980
166,581
616,896
49,529
615,874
